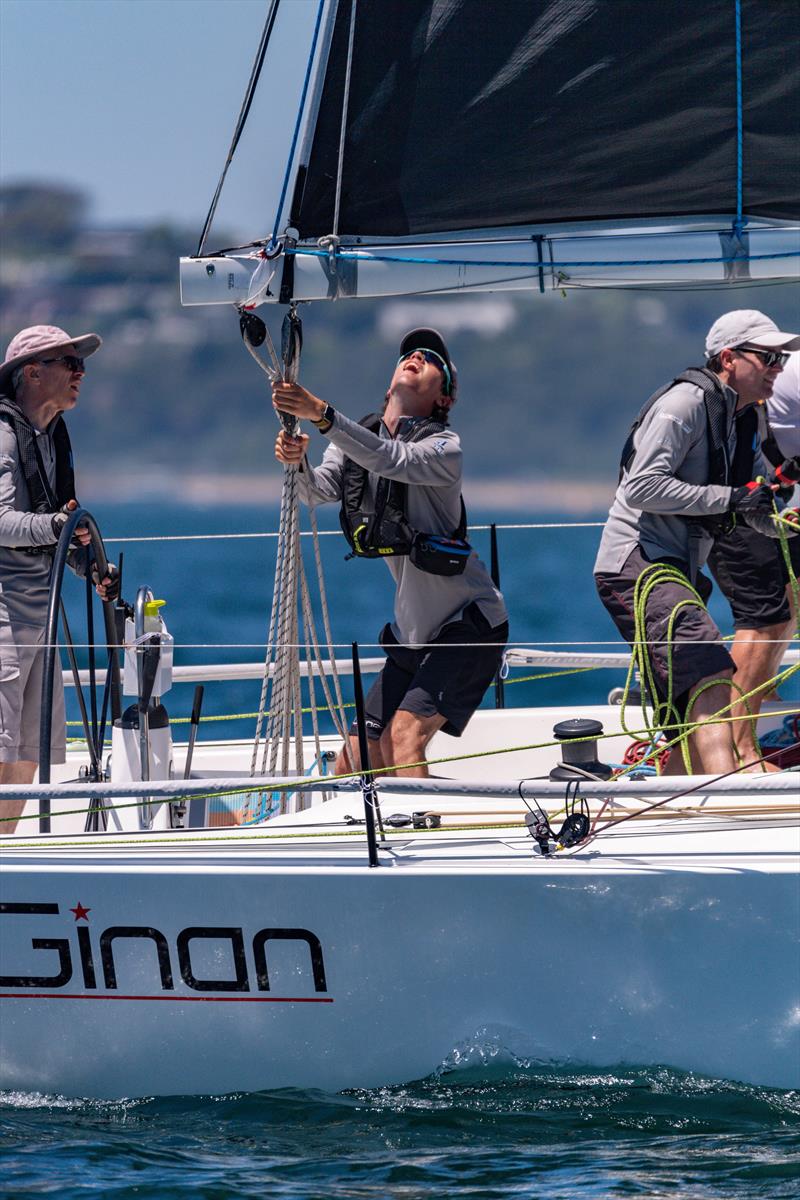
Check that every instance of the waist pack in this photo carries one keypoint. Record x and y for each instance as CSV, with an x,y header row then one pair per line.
x,y
439,555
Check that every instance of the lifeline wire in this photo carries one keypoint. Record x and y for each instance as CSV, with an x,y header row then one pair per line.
x,y
217,537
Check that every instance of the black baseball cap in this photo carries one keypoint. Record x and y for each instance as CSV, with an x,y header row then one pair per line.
x,y
431,339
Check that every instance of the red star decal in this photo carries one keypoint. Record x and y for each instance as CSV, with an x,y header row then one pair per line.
x,y
81,913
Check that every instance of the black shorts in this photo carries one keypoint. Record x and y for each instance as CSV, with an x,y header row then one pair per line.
x,y
751,573
447,678
697,650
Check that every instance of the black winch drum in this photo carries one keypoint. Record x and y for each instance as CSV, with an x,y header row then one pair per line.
x,y
581,755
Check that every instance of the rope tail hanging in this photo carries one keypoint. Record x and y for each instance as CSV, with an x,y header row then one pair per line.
x,y
278,745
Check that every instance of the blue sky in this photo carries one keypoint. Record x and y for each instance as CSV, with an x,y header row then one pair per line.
x,y
135,101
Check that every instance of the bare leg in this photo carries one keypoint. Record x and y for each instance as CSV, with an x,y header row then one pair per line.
x,y
789,631
376,760
757,653
711,746
405,740
675,764
16,772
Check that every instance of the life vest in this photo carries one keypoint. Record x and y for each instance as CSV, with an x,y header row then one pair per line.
x,y
42,497
381,529
719,467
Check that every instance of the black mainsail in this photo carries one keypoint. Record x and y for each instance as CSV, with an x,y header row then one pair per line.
x,y
488,144
484,114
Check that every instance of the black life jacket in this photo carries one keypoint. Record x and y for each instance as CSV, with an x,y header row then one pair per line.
x,y
42,497
382,529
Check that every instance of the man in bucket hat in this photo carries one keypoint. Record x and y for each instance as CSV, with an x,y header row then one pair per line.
x,y
40,379
684,481
397,475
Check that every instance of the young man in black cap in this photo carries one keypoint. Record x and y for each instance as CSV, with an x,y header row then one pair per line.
x,y
397,475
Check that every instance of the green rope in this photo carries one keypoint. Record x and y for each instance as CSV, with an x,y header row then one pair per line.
x,y
749,716
664,712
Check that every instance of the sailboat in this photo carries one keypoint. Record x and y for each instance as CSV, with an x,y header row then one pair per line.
x,y
361,930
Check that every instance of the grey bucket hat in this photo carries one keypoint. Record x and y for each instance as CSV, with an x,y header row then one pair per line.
x,y
36,341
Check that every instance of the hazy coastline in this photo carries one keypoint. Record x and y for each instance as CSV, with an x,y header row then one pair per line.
x,y
198,488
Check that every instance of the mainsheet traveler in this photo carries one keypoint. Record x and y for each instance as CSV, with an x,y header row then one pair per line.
x,y
397,475
677,492
40,379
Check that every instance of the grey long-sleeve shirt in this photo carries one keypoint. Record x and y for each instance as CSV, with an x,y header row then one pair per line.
x,y
783,407
667,482
24,578
432,469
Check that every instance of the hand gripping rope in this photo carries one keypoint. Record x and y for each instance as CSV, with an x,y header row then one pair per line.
x,y
279,726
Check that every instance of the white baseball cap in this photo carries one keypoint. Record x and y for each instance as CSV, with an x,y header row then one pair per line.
x,y
748,325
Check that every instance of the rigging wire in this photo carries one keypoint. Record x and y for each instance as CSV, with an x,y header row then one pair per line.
x,y
739,223
300,110
244,112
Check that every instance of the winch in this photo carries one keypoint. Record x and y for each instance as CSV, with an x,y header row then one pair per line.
x,y
579,758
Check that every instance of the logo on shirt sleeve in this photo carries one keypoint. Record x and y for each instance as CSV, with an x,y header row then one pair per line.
x,y
667,416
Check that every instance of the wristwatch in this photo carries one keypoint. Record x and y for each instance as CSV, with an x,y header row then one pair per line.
x,y
326,420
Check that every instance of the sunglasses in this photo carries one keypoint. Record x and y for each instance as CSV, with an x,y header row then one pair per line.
x,y
770,358
430,356
71,361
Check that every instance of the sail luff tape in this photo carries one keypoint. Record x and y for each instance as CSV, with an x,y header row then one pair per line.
x,y
345,106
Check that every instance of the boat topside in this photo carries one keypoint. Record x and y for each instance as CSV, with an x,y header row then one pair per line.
x,y
742,833
749,822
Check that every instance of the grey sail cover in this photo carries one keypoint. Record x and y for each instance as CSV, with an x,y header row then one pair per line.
x,y
485,114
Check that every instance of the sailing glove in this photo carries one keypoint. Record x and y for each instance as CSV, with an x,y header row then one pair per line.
x,y
787,475
59,520
112,588
755,503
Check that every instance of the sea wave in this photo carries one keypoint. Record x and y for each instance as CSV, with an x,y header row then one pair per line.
x,y
501,1128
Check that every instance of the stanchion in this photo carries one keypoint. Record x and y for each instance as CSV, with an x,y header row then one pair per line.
x,y
368,789
499,685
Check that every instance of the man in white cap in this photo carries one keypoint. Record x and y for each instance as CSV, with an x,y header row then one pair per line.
x,y
397,475
682,484
750,569
40,379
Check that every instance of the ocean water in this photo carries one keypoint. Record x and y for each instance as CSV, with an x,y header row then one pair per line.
x,y
488,1132
485,1125
218,590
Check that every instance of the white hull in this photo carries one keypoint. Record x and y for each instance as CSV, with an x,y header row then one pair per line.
x,y
666,941
599,959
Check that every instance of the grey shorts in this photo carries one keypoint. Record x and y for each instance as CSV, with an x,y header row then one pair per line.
x,y
697,650
21,667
